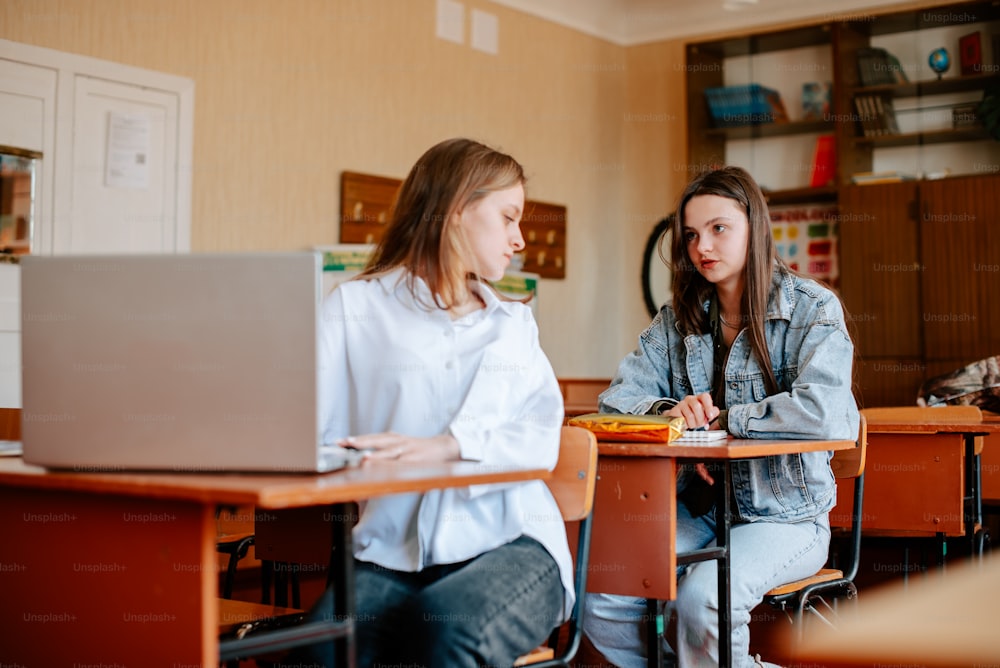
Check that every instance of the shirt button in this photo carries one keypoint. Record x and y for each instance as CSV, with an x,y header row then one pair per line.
x,y
732,385
449,364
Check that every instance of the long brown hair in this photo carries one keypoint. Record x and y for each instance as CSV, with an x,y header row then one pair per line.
x,y
691,290
422,235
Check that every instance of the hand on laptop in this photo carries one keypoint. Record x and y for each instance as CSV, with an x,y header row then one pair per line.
x,y
392,446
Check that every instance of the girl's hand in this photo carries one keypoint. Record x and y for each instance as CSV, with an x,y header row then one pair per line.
x,y
698,410
392,446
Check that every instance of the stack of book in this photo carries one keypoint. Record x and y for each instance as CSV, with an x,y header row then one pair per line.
x,y
872,178
878,67
751,104
876,115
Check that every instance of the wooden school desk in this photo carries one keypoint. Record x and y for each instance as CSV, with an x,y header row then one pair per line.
x,y
120,568
635,516
923,473
990,463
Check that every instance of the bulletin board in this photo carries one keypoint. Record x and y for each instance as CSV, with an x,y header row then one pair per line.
x,y
366,206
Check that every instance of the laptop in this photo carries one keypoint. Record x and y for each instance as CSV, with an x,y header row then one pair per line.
x,y
187,363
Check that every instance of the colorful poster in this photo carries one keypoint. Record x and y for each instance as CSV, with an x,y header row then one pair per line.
x,y
806,237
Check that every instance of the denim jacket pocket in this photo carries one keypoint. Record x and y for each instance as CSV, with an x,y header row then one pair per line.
x,y
758,387
788,481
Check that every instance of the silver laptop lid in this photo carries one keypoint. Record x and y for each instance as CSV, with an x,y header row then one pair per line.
x,y
171,362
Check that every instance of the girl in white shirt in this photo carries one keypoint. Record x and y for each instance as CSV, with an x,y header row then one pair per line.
x,y
422,361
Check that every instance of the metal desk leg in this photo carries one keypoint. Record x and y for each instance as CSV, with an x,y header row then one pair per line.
x,y
723,517
342,572
654,629
974,502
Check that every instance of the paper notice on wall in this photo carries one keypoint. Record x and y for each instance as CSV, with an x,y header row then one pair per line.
x,y
127,160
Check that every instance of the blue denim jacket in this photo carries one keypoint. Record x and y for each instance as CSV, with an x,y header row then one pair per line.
x,y
812,355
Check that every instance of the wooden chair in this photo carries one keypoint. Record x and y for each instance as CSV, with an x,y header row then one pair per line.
x,y
235,538
572,484
803,595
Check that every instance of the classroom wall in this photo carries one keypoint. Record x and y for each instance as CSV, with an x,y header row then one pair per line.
x,y
290,94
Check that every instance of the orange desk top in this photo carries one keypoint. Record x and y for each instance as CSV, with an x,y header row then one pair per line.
x,y
942,426
269,491
731,448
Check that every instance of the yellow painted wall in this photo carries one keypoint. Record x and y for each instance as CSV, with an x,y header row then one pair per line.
x,y
289,94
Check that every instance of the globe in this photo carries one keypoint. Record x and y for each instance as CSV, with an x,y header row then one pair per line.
x,y
939,60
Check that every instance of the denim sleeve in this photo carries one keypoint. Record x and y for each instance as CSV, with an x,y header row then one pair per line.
x,y
643,377
820,402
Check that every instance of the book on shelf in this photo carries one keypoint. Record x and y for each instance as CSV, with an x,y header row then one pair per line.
x,y
824,167
970,54
896,67
966,115
870,178
885,113
750,104
867,112
816,100
866,115
876,114
778,112
878,67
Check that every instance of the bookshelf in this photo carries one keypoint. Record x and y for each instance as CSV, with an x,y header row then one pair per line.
x,y
830,52
927,139
910,287
780,60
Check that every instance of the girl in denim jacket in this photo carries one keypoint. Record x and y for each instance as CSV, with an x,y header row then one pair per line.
x,y
751,347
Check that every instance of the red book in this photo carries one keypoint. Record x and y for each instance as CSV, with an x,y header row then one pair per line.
x,y
824,168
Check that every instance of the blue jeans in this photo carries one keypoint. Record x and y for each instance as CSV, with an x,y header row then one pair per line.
x,y
483,612
763,555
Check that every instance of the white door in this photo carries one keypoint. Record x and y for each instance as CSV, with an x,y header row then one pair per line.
x,y
85,115
27,101
125,166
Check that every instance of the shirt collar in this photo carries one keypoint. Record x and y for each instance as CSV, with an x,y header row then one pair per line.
x,y
397,280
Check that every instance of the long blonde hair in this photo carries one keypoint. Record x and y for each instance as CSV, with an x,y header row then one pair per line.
x,y
422,235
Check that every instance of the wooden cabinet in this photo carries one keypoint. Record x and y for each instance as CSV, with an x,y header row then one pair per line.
x,y
920,269
880,268
919,259
960,286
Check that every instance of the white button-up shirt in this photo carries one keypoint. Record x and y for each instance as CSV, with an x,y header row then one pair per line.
x,y
389,362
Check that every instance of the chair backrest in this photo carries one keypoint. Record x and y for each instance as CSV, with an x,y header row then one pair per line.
x,y
847,464
572,483
851,464
921,413
575,476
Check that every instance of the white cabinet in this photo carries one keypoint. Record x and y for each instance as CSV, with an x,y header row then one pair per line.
x,y
78,112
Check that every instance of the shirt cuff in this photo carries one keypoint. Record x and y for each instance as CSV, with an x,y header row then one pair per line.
x,y
723,420
660,405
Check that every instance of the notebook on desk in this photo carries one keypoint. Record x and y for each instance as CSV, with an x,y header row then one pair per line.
x,y
192,362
